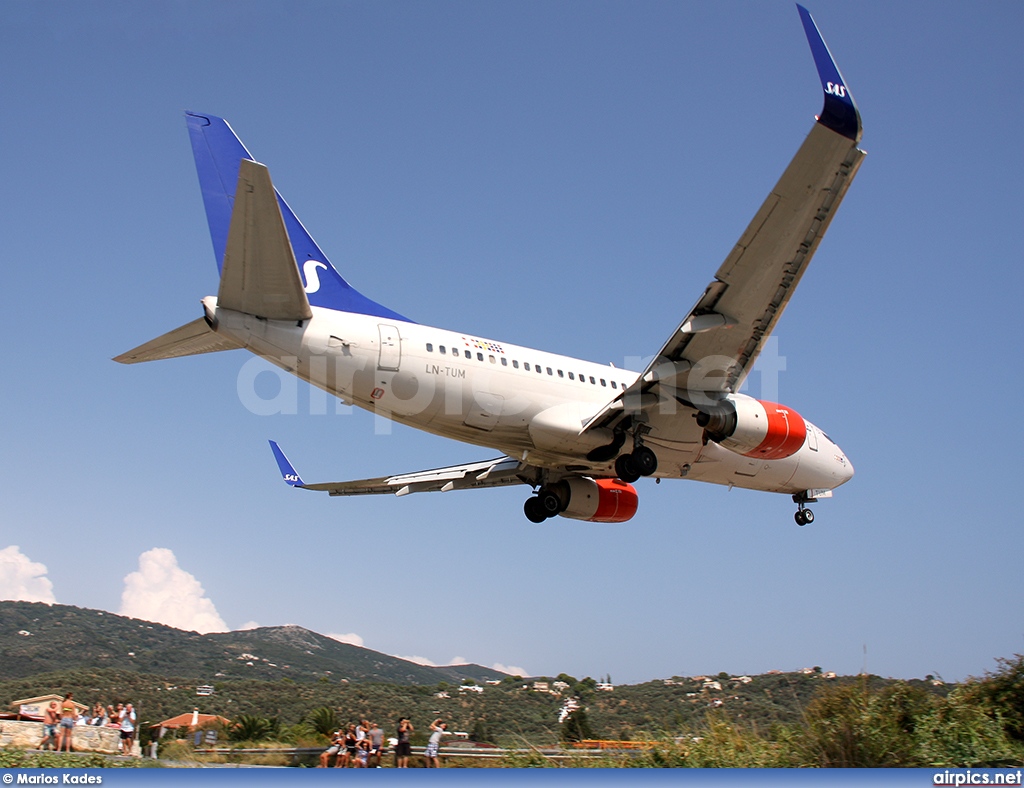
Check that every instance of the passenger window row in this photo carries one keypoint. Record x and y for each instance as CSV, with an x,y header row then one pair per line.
x,y
526,366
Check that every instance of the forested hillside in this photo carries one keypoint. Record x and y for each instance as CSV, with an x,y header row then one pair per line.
x,y
37,638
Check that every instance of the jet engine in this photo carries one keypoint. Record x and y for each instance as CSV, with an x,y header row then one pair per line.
x,y
595,500
748,426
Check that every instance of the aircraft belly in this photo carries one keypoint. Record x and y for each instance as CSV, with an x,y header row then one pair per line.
x,y
718,465
678,429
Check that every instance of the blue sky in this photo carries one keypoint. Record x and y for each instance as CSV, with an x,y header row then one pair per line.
x,y
561,175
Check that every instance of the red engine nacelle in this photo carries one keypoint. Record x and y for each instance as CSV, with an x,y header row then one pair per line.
x,y
597,500
753,428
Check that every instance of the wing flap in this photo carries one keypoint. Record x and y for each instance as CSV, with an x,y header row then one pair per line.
x,y
190,339
499,472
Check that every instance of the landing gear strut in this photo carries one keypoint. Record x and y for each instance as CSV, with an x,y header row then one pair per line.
x,y
803,516
546,503
641,462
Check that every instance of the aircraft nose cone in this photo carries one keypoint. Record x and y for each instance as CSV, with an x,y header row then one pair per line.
x,y
846,470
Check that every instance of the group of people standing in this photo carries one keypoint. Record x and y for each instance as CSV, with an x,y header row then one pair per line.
x,y
363,746
358,746
60,720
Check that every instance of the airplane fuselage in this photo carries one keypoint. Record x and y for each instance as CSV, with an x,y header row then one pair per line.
x,y
530,404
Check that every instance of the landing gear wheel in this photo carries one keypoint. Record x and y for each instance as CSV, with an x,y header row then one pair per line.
x,y
534,511
550,503
626,470
644,460
808,516
799,517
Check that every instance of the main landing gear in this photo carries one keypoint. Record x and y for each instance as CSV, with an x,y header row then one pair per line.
x,y
543,505
641,462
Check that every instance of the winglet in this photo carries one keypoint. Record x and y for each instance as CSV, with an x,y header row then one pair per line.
x,y
287,471
840,111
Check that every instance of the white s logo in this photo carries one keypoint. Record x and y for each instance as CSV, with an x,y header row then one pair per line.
x,y
311,275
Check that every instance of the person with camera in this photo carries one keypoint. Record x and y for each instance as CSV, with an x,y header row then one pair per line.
x,y
437,730
403,749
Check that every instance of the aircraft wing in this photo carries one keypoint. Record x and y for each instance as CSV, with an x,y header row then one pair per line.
x,y
499,472
717,343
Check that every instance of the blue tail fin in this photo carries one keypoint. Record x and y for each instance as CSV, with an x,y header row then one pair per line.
x,y
217,152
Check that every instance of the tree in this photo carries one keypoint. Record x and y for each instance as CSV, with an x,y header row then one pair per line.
x,y
482,732
249,727
849,726
584,685
323,720
576,727
1002,695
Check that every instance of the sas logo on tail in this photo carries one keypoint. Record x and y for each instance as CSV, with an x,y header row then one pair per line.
x,y
833,89
311,275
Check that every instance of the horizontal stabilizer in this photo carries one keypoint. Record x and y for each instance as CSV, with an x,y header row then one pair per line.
x,y
191,339
259,275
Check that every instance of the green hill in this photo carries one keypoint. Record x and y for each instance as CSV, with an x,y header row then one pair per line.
x,y
37,638
284,673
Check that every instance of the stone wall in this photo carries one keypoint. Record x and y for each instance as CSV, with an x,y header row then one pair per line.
x,y
85,738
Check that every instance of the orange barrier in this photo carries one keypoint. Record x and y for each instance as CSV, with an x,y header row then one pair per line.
x,y
608,744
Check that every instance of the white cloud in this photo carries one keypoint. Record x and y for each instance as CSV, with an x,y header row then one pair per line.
x,y
418,660
249,625
164,592
23,580
511,670
351,638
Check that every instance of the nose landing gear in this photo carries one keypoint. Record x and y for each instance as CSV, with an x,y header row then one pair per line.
x,y
803,516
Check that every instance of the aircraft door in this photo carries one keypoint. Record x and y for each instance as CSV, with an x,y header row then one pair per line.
x,y
390,356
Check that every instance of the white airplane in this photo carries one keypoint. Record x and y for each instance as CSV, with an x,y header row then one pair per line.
x,y
577,432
